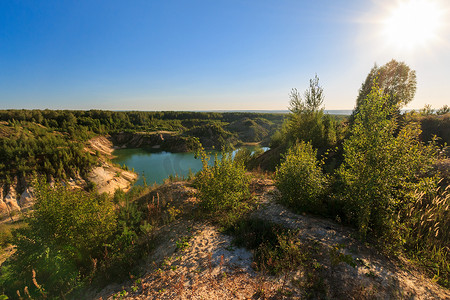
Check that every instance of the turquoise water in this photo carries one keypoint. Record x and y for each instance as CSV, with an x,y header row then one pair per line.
x,y
156,166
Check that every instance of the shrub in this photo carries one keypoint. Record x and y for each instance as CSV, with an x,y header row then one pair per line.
x,y
66,234
223,185
246,156
299,178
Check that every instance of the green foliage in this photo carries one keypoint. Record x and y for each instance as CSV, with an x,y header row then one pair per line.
x,y
222,186
300,180
73,238
66,233
252,129
212,134
277,139
445,109
427,110
396,81
28,148
245,155
307,122
6,230
183,243
382,163
52,143
434,126
128,221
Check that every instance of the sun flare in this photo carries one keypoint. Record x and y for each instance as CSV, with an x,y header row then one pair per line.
x,y
412,23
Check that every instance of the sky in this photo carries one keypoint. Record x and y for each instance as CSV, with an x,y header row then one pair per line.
x,y
208,55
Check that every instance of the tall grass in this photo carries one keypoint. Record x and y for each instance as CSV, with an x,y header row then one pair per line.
x,y
428,236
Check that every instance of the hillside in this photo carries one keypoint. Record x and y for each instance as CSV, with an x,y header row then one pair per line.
x,y
194,259
75,147
228,231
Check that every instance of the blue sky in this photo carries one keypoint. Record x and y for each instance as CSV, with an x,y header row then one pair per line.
x,y
201,55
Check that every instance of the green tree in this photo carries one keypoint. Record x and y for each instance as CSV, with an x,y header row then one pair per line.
x,y
381,166
395,79
305,122
443,110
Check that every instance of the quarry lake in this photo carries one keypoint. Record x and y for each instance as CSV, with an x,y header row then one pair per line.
x,y
155,166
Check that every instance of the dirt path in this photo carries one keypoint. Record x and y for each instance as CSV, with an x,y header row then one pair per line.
x,y
196,261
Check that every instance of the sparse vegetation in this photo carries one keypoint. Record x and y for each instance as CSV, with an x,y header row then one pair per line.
x,y
427,238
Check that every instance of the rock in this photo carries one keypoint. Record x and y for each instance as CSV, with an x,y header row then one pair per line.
x,y
109,178
11,200
3,208
27,198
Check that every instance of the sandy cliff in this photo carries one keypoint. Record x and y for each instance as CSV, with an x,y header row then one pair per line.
x,y
106,177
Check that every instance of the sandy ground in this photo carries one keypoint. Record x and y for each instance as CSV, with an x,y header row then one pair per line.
x,y
101,144
196,261
209,267
108,178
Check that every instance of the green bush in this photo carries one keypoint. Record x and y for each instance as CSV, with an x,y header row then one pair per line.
x,y
246,156
223,185
299,178
65,236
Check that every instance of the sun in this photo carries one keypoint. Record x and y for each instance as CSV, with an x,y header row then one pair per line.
x,y
412,24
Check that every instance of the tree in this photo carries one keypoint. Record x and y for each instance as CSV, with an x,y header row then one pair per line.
x,y
395,79
305,122
313,98
443,110
222,186
382,164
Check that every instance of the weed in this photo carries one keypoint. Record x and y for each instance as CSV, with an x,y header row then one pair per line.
x,y
337,257
280,251
183,243
371,274
173,213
